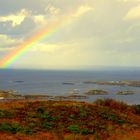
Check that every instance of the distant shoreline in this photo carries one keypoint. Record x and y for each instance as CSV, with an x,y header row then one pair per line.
x,y
13,95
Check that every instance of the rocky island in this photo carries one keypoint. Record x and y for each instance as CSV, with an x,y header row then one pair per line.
x,y
126,93
12,94
115,83
96,92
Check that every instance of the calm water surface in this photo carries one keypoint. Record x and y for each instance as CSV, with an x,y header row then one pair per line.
x,y
51,82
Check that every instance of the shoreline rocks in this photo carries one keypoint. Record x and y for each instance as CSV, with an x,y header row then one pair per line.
x,y
9,94
14,95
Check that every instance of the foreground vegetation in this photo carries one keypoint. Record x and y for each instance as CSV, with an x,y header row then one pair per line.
x,y
69,120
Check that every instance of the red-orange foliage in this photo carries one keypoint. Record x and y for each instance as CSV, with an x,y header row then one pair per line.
x,y
56,120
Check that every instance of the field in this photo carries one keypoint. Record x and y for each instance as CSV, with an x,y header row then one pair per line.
x,y
69,120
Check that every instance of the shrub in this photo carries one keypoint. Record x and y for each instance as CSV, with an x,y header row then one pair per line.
x,y
112,117
137,108
74,128
121,121
52,118
83,115
47,125
31,125
44,115
84,131
13,128
27,130
72,116
40,110
112,104
5,127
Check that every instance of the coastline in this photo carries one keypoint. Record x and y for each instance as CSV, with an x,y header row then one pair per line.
x,y
13,95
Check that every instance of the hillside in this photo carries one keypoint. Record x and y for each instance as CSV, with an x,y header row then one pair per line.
x,y
69,120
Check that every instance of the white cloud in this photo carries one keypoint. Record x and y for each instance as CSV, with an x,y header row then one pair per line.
x,y
7,43
58,55
92,31
82,10
133,13
5,40
45,47
129,1
54,48
42,19
53,11
15,19
39,19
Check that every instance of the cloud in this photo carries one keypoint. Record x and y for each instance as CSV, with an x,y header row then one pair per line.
x,y
82,10
55,48
15,19
42,19
45,47
39,19
53,10
8,43
133,13
128,0
5,40
57,55
94,33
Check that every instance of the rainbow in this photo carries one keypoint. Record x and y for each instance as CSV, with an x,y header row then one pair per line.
x,y
14,55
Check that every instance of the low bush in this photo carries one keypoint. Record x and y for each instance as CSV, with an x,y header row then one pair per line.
x,y
112,104
27,130
47,125
74,128
10,127
137,109
84,131
40,110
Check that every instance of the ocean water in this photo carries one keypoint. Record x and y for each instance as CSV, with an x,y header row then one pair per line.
x,y
51,82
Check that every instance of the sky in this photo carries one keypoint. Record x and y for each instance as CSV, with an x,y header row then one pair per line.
x,y
92,33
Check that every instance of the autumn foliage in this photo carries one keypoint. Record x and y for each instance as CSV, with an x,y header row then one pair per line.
x,y
68,120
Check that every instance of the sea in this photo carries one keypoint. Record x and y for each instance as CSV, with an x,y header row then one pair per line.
x,y
64,82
